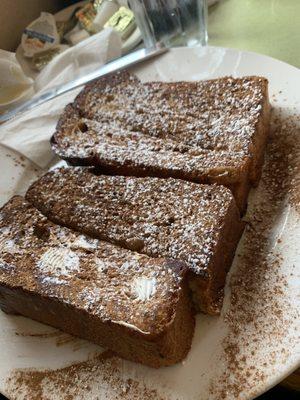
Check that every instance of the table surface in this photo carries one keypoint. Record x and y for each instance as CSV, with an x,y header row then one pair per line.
x,y
270,27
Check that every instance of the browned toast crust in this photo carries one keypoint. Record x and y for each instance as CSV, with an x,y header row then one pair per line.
x,y
207,132
197,224
136,306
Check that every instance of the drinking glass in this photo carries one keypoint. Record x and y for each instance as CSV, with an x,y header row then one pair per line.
x,y
173,22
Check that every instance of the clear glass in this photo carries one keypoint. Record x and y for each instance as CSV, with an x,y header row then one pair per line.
x,y
173,22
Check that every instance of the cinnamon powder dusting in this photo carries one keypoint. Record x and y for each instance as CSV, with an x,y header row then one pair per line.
x,y
98,378
260,313
259,310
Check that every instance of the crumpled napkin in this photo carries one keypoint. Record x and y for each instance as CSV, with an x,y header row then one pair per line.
x,y
29,133
15,86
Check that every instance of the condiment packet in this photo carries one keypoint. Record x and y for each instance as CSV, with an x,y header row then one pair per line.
x,y
122,21
40,35
79,60
105,11
95,14
29,133
63,27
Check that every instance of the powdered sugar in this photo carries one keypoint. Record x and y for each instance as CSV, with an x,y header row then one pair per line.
x,y
144,288
5,266
82,242
59,261
6,243
101,265
168,218
86,273
194,127
90,297
53,280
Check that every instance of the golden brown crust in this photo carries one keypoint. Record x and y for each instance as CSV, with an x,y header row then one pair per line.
x,y
260,138
134,305
208,132
204,290
158,217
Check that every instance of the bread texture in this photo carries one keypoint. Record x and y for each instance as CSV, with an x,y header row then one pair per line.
x,y
196,224
136,306
211,131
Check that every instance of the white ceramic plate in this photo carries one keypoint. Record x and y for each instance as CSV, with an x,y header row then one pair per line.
x,y
130,43
27,344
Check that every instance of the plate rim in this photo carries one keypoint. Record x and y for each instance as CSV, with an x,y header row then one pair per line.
x,y
297,71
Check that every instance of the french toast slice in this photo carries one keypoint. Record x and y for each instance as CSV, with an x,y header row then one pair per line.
x,y
197,224
212,131
136,306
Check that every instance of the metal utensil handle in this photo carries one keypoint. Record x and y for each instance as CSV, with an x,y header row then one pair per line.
x,y
113,66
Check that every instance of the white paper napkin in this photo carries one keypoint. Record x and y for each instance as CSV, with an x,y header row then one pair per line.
x,y
15,86
29,133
